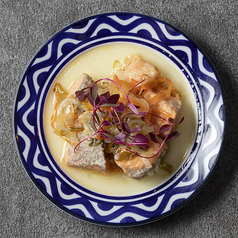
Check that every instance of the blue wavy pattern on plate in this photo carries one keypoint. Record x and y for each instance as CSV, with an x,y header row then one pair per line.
x,y
97,208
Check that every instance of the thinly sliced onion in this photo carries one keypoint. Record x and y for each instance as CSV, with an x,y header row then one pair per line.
x,y
147,163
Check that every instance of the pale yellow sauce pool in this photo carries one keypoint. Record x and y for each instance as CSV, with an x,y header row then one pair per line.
x,y
98,63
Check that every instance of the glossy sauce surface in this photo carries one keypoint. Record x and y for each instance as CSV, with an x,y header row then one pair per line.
x,y
98,63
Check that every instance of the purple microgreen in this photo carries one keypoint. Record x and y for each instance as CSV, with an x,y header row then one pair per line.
x,y
140,138
96,118
143,146
103,132
118,118
98,108
103,99
94,91
82,97
92,124
143,114
106,123
84,140
133,108
119,129
181,120
171,120
149,157
164,128
135,86
173,135
81,94
135,130
97,131
110,105
121,137
121,107
126,128
154,137
158,117
113,99
116,85
97,101
108,136
90,98
93,97
113,119
112,139
111,115
106,95
149,122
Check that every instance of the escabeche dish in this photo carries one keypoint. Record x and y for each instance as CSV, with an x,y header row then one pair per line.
x,y
136,208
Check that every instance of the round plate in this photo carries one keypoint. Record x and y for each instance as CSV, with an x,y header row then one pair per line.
x,y
119,210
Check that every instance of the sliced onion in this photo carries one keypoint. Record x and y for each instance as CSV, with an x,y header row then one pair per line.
x,y
147,163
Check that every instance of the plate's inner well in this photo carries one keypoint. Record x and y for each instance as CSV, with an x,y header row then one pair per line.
x,y
98,63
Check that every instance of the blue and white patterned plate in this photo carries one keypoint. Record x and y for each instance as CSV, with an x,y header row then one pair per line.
x,y
119,210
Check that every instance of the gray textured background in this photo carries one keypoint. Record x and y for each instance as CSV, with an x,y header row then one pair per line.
x,y
25,27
